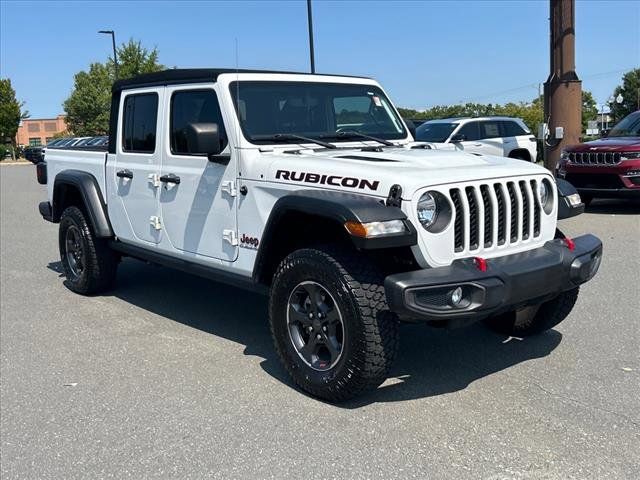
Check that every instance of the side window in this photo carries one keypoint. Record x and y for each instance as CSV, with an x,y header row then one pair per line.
x,y
470,131
192,106
511,129
139,125
489,129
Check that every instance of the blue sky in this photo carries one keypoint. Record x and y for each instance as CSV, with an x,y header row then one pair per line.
x,y
424,53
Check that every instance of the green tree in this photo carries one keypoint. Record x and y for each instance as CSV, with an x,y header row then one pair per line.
x,y
11,112
134,59
88,105
630,91
589,108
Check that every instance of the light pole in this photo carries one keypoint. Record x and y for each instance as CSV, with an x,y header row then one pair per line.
x,y
310,21
113,42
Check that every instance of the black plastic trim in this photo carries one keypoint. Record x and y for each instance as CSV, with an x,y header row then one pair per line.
x,y
509,282
565,209
340,207
45,210
192,75
94,204
211,273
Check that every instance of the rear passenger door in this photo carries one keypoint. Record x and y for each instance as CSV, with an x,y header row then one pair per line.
x,y
199,212
490,137
132,175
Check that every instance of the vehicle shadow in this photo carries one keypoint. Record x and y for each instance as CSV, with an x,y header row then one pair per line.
x,y
614,206
430,362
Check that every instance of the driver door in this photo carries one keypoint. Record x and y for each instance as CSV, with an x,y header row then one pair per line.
x,y
198,197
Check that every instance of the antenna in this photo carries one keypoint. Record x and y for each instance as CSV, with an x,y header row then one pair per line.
x,y
237,100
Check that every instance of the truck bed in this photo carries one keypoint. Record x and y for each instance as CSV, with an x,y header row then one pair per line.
x,y
88,159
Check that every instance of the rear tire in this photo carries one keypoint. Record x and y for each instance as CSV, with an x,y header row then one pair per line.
x,y
89,264
356,352
547,316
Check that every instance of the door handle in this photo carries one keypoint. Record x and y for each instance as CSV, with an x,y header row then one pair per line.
x,y
124,173
170,178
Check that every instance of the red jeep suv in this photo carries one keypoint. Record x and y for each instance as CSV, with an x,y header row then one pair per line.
x,y
608,167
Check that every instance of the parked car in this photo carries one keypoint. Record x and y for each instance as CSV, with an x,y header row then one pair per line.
x,y
608,167
309,188
501,136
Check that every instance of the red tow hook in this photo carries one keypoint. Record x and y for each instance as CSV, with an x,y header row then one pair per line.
x,y
480,263
571,245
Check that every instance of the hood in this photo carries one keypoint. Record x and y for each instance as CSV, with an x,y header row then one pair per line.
x,y
610,144
374,173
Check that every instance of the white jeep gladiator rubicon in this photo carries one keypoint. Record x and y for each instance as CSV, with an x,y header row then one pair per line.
x,y
311,188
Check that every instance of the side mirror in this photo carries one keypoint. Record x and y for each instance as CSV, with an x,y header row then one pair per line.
x,y
457,138
204,138
411,126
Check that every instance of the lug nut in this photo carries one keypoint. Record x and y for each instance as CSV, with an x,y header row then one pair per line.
x,y
324,329
318,337
311,315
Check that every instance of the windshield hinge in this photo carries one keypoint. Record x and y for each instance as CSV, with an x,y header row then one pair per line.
x,y
395,196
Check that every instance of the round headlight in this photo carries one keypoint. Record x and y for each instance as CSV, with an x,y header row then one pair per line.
x,y
543,193
427,210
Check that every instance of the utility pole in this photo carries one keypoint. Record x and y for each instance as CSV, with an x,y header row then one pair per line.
x,y
310,21
563,88
113,43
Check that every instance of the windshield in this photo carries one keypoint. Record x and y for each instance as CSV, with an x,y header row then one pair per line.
x,y
434,131
328,111
629,126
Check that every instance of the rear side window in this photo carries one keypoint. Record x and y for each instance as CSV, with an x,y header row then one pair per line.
x,y
489,129
470,131
512,129
139,125
192,106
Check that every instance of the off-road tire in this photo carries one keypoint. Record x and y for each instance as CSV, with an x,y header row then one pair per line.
x,y
371,330
549,315
100,262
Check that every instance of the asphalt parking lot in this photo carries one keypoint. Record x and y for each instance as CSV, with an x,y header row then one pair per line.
x,y
173,376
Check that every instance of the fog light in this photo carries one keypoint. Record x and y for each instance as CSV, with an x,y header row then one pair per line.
x,y
455,297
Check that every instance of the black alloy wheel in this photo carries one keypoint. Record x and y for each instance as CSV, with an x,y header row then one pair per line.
x,y
315,325
75,256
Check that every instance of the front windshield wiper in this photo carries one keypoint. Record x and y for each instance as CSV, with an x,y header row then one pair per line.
x,y
292,136
353,133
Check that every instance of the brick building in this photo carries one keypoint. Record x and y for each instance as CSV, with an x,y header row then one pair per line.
x,y
39,131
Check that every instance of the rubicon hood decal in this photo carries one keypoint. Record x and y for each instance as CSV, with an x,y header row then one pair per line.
x,y
325,179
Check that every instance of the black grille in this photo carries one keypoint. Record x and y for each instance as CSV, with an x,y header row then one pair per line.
x,y
488,216
502,217
459,231
514,216
536,209
525,209
488,208
473,218
594,180
594,158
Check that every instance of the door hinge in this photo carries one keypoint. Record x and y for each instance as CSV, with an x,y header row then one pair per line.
x,y
230,237
230,188
155,221
154,179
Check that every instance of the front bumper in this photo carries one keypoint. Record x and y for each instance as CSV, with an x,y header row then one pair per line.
x,y
509,282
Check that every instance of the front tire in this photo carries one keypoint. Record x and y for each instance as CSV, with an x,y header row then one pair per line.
x,y
534,320
330,323
89,264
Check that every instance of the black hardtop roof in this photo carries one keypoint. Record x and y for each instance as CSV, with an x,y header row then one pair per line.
x,y
192,75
